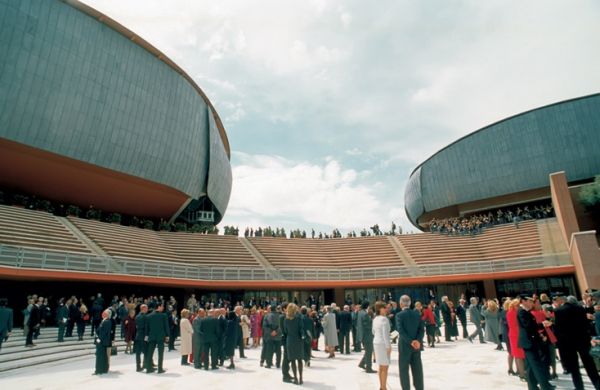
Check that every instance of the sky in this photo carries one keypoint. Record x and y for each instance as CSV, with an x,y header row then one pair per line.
x,y
330,105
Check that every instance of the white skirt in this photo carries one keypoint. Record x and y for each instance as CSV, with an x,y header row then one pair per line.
x,y
381,355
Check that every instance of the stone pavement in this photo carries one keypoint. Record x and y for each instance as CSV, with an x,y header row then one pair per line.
x,y
457,365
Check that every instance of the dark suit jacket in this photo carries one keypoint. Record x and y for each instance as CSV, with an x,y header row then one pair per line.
x,y
446,313
345,321
34,316
571,326
529,337
209,329
157,326
140,326
366,323
409,326
103,333
6,321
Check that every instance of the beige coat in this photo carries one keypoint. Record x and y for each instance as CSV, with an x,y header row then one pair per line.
x,y
186,336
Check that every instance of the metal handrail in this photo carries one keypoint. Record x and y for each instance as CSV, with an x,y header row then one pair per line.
x,y
20,257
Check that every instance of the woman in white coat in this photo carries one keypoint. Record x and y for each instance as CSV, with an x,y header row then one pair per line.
x,y
330,331
382,346
186,332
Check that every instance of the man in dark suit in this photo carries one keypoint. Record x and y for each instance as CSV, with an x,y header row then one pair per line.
x,y
139,344
530,340
198,339
572,332
73,316
366,338
461,313
221,313
355,342
270,327
447,316
103,343
345,327
209,329
6,320
33,324
408,325
285,364
238,315
62,316
156,333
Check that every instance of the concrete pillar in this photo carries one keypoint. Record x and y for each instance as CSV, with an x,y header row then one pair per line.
x,y
563,205
489,289
585,255
338,296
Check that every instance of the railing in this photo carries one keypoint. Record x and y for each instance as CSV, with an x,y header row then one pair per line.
x,y
28,258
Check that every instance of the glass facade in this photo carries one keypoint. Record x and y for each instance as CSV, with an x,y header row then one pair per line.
x,y
513,155
71,85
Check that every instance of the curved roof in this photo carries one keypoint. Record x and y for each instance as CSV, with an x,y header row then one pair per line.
x,y
116,26
508,162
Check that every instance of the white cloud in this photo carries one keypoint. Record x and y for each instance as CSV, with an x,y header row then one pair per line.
x,y
322,193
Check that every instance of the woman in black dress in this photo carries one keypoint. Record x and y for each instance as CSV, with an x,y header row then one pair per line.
x,y
293,331
231,338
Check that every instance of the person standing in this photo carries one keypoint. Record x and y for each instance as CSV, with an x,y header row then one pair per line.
x,y
572,333
208,329
238,313
366,330
245,324
230,338
408,325
382,345
173,328
62,316
130,329
293,333
6,321
461,313
186,332
33,324
140,345
446,315
475,314
492,324
430,325
270,325
309,332
103,344
285,362
197,339
530,341
355,342
345,327
330,331
156,333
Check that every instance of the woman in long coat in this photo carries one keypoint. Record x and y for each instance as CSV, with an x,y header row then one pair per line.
x,y
186,331
330,331
130,331
293,330
492,323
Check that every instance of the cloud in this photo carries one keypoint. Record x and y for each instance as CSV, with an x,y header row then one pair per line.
x,y
322,193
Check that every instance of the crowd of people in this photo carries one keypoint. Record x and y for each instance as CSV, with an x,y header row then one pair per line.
x,y
474,224
533,329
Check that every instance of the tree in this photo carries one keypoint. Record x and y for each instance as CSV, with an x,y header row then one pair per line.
x,y
590,198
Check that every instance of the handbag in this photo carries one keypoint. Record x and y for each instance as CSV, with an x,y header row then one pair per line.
x,y
86,317
113,350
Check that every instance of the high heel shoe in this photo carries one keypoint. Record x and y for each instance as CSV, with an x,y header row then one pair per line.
x,y
511,372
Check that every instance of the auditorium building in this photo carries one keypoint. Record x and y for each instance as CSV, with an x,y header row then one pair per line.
x,y
93,115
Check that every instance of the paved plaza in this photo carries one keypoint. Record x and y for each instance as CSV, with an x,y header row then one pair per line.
x,y
457,365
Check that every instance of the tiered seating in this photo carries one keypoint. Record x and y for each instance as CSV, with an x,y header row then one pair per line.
x,y
341,252
208,249
501,242
37,229
125,241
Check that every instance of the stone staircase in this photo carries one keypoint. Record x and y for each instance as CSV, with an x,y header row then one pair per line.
x,y
14,355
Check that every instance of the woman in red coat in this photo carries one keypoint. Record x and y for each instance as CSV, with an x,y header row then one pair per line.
x,y
430,324
513,337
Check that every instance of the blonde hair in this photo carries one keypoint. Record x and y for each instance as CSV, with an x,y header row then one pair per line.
x,y
291,311
506,304
514,303
185,313
492,305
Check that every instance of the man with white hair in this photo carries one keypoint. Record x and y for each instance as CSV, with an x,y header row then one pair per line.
x,y
103,343
408,325
345,319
